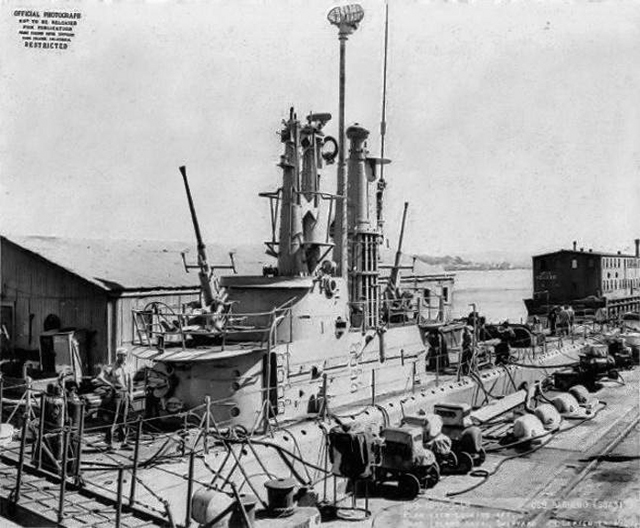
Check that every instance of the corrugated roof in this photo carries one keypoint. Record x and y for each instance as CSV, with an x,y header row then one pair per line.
x,y
120,265
588,252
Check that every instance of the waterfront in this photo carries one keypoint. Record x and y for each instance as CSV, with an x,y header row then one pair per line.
x,y
498,294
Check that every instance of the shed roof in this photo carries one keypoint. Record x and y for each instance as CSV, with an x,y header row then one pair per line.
x,y
589,252
128,265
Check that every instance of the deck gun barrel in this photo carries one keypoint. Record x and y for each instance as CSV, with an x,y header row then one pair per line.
x,y
204,272
393,277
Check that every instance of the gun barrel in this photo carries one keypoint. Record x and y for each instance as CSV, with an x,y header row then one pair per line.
x,y
205,270
393,278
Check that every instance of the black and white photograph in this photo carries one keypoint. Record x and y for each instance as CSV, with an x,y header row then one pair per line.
x,y
290,264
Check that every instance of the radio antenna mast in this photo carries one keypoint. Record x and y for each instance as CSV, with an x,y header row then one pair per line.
x,y
383,120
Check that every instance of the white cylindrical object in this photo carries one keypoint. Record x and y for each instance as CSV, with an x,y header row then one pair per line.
x,y
207,504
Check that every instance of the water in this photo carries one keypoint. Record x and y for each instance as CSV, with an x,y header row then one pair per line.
x,y
498,294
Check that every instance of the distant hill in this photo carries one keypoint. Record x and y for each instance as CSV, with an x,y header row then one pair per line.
x,y
251,258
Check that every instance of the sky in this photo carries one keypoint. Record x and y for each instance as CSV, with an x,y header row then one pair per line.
x,y
512,127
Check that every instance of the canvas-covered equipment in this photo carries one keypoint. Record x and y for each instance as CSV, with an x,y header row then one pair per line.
x,y
528,428
470,440
351,452
548,416
406,460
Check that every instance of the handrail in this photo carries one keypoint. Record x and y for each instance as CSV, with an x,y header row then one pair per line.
x,y
237,324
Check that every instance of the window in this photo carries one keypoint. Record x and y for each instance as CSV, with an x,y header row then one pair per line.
x,y
574,263
426,294
445,294
590,262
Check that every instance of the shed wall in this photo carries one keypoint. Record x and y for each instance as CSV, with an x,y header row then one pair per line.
x,y
35,288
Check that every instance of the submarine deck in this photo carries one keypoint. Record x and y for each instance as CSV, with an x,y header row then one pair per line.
x,y
587,476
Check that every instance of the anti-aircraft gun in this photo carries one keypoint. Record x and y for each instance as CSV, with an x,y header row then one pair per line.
x,y
214,296
396,301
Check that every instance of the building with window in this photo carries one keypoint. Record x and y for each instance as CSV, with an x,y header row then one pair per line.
x,y
586,280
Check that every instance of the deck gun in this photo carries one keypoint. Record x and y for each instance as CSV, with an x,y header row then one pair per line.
x,y
213,294
396,301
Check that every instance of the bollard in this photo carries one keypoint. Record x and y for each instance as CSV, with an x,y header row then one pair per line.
x,y
63,474
136,457
187,516
119,498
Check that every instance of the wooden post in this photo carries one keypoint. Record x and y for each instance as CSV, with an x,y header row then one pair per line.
x,y
413,377
373,386
78,474
187,515
41,431
136,457
207,423
324,395
63,474
119,497
23,444
326,465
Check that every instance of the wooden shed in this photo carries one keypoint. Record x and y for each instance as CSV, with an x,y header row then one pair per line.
x,y
92,286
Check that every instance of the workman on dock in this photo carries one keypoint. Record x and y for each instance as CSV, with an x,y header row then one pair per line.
x,y
563,322
553,315
572,317
467,350
119,378
503,348
438,353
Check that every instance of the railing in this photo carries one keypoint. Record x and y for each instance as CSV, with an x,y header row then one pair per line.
x,y
404,311
159,325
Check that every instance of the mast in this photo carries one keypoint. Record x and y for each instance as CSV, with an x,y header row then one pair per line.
x,y
382,183
346,19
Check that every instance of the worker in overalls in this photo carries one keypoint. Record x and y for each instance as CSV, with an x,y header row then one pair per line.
x,y
119,378
467,350
438,353
503,348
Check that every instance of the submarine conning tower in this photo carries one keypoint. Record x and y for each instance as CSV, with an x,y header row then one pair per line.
x,y
303,234
364,234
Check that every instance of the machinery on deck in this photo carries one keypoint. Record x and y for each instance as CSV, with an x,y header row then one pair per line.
x,y
406,460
